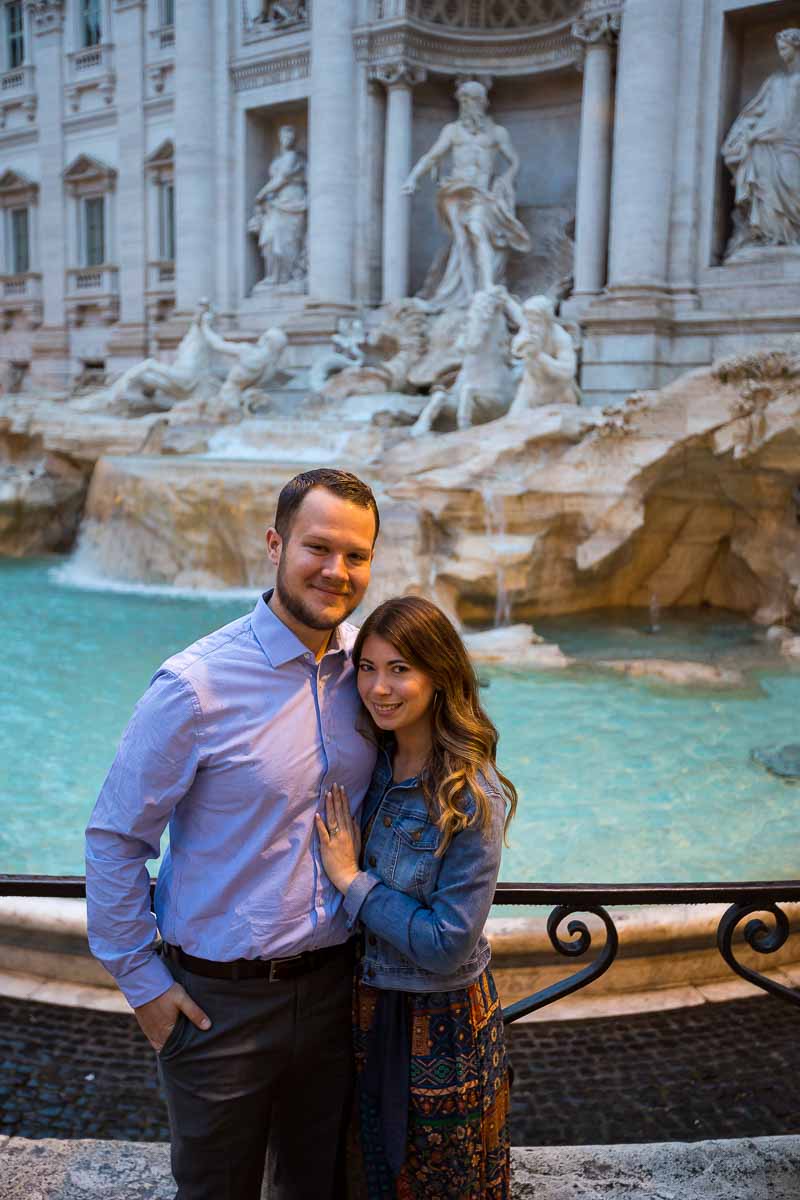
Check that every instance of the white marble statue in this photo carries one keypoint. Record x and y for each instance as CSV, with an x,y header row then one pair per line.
x,y
281,13
484,386
547,354
348,351
178,379
280,215
254,365
762,150
475,205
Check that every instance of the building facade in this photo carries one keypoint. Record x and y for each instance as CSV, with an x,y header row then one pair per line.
x,y
136,137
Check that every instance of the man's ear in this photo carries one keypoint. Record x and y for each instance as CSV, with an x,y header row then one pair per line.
x,y
274,545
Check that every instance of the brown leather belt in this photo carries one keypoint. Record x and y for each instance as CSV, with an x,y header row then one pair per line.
x,y
272,969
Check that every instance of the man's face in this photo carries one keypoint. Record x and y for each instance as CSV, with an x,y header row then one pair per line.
x,y
324,563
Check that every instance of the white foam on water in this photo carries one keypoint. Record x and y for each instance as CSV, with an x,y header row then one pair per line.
x,y
82,577
233,444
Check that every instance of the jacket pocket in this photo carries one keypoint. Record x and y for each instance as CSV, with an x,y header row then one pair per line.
x,y
414,862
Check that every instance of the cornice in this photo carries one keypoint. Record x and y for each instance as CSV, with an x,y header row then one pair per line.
x,y
446,51
278,68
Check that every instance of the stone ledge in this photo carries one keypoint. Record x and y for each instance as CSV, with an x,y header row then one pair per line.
x,y
747,1169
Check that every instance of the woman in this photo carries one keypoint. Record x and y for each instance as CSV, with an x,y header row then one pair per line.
x,y
432,1092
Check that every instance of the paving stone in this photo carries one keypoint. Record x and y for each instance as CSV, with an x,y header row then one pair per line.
x,y
710,1071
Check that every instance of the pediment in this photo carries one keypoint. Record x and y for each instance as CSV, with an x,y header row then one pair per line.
x,y
15,181
163,156
85,169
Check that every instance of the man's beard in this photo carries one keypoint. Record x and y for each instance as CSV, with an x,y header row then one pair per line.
x,y
473,121
300,611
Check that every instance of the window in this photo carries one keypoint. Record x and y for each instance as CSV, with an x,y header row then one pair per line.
x,y
166,222
20,241
91,22
94,231
167,12
15,35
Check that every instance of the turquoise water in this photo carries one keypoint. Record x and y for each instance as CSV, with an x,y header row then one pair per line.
x,y
618,780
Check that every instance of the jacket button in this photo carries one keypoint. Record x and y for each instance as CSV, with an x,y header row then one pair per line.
x,y
373,941
416,835
368,973
372,860
387,821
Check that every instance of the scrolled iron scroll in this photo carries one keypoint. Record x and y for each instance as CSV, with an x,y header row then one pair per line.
x,y
581,942
759,937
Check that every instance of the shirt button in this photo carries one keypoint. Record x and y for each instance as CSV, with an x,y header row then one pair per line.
x,y
369,973
372,860
387,821
416,835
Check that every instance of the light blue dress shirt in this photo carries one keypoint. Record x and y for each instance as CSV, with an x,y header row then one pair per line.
x,y
234,745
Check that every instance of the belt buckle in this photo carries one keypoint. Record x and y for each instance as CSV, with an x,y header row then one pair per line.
x,y
274,976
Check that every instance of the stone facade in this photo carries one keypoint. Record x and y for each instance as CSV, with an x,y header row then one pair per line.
x,y
135,136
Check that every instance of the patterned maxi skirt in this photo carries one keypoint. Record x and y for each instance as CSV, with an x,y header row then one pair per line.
x,y
456,1126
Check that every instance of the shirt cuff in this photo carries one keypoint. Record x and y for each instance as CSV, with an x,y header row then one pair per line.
x,y
356,894
147,982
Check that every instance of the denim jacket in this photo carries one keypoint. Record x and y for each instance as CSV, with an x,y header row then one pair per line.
x,y
423,916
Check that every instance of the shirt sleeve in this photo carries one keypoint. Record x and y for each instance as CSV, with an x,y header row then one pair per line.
x,y
442,936
154,768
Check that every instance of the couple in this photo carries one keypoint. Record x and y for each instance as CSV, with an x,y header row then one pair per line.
x,y
319,782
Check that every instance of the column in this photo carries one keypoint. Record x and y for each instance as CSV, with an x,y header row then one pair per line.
x,y
50,366
369,200
399,80
688,173
644,138
332,154
128,341
597,34
195,179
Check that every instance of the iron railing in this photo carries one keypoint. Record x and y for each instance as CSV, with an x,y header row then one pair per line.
x,y
566,902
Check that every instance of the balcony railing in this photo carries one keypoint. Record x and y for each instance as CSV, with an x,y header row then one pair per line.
x,y
85,283
567,903
27,286
18,81
93,60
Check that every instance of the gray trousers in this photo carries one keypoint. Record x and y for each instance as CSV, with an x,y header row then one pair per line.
x,y
273,1073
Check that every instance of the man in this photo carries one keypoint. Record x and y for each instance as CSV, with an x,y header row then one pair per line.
x,y
236,741
475,209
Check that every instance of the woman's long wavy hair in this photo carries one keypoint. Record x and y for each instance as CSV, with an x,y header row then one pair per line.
x,y
464,739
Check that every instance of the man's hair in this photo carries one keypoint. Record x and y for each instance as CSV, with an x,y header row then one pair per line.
x,y
339,483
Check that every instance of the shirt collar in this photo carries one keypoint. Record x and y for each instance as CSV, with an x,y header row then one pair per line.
x,y
276,639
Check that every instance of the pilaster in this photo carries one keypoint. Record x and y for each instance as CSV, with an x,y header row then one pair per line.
x,y
128,341
195,183
50,364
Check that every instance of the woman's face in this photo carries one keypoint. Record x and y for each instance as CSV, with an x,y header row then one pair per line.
x,y
396,695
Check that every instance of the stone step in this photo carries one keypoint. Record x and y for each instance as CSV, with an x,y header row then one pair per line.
x,y
739,1169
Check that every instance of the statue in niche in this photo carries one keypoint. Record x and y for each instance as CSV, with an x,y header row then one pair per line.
x,y
547,354
475,206
280,216
762,151
178,379
254,367
484,386
280,13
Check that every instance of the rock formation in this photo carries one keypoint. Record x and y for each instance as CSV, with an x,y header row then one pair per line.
x,y
688,494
